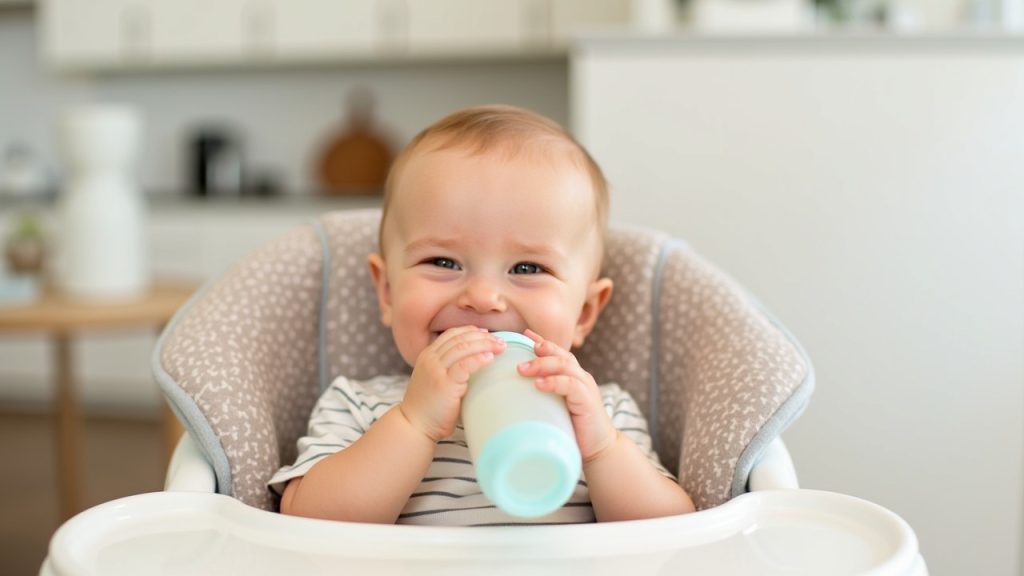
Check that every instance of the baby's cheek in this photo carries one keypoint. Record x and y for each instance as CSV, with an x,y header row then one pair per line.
x,y
559,336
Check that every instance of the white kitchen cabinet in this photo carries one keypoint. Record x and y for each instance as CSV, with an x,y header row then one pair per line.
x,y
443,26
325,28
451,26
99,32
111,34
200,240
569,18
185,30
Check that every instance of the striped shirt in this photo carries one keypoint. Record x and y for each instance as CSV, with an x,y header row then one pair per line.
x,y
449,494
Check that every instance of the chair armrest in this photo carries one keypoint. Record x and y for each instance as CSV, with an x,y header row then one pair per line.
x,y
774,471
189,471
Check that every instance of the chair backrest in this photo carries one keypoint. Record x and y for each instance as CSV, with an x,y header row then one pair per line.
x,y
243,363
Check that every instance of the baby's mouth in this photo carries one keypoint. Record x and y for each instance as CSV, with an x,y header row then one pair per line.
x,y
435,333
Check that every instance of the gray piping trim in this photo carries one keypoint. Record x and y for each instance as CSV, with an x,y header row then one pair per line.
x,y
666,250
325,284
185,407
787,413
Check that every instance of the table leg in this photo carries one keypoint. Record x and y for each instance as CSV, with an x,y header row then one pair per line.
x,y
68,429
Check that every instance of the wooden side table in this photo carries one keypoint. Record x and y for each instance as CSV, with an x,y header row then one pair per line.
x,y
60,318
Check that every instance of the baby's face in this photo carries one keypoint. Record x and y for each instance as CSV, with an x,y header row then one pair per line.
x,y
495,242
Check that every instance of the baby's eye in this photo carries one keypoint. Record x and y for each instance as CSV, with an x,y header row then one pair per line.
x,y
527,268
442,262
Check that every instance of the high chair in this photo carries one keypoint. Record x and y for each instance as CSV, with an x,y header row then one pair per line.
x,y
245,360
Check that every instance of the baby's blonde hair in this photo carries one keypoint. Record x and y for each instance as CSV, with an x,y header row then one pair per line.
x,y
508,129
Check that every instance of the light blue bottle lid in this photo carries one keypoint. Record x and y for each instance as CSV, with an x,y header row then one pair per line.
x,y
529,469
514,338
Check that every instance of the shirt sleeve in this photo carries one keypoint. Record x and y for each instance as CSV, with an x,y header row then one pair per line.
x,y
341,415
628,419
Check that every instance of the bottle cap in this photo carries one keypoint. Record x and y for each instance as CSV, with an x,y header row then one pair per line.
x,y
529,469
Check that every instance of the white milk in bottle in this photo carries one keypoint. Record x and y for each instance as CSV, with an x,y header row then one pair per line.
x,y
521,440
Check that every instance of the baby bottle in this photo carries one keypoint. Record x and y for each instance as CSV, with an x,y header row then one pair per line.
x,y
520,439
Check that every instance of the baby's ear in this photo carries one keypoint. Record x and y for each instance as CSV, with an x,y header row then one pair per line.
x,y
598,294
379,274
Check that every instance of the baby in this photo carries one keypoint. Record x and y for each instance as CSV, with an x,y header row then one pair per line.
x,y
494,219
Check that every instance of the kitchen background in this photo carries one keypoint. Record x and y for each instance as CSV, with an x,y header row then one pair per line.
x,y
932,431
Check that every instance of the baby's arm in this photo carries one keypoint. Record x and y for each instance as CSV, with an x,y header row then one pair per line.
x,y
650,494
623,483
371,480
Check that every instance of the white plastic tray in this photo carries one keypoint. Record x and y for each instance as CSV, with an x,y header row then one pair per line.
x,y
761,533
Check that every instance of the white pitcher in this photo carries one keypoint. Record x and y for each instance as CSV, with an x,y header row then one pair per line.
x,y
102,247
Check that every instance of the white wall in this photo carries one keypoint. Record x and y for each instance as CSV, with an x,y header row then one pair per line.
x,y
872,195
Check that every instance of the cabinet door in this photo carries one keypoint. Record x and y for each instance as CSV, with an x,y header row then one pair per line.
x,y
443,26
189,31
325,28
98,32
571,17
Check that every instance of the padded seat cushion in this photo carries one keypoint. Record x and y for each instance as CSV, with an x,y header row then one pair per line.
x,y
243,363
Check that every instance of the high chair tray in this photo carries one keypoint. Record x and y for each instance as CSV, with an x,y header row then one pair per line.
x,y
760,533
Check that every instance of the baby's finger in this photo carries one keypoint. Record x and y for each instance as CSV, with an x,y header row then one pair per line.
x,y
461,370
450,338
467,344
565,386
537,338
543,366
445,338
544,347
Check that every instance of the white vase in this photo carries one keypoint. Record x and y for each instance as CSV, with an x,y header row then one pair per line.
x,y
102,247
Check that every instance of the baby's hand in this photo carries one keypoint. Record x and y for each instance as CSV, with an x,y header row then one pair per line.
x,y
441,375
556,370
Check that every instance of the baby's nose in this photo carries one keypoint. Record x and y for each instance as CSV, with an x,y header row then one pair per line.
x,y
482,295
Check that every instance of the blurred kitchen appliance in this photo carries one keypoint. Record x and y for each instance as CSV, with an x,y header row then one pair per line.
x,y
216,162
102,246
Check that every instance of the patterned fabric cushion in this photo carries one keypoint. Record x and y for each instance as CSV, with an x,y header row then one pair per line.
x,y
238,363
243,363
357,344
